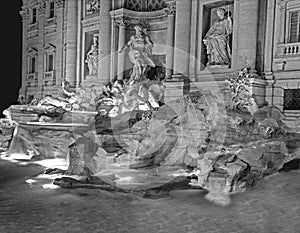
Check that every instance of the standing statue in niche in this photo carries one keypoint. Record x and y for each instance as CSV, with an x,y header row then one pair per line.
x,y
217,40
140,46
92,58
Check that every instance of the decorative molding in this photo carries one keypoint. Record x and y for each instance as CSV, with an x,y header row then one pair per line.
x,y
135,17
90,22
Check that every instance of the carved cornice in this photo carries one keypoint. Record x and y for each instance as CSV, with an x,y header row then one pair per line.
x,y
136,17
90,23
59,3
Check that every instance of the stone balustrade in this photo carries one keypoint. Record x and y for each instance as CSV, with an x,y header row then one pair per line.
x,y
51,21
32,80
289,49
31,76
49,78
32,27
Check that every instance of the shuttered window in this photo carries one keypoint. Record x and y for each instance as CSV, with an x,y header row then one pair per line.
x,y
294,27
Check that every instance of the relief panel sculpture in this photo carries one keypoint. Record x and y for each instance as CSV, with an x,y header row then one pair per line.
x,y
92,6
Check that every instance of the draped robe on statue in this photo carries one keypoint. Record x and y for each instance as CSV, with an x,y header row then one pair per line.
x,y
217,44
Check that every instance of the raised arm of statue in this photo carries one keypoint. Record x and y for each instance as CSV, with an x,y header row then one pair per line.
x,y
229,27
127,45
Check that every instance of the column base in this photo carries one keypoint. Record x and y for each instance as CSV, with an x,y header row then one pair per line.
x,y
258,90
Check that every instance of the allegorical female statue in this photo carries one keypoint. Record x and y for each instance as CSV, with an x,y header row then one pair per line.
x,y
140,46
217,40
92,58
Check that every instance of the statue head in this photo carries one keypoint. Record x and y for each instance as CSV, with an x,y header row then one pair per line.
x,y
221,12
138,28
95,39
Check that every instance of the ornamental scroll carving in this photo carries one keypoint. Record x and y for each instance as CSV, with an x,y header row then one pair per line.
x,y
92,7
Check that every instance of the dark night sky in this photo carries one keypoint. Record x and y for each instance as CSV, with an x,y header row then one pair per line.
x,y
11,52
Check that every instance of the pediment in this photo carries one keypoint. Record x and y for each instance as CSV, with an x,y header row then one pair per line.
x,y
32,51
49,48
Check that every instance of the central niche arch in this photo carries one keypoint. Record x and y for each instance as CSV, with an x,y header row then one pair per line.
x,y
145,5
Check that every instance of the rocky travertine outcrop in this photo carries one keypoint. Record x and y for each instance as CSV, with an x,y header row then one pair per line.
x,y
6,133
226,150
220,141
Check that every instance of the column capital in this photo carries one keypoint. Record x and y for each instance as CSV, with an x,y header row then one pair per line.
x,y
120,22
60,3
24,13
170,9
42,8
281,2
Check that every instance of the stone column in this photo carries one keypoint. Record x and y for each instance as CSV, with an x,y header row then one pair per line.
x,y
25,18
71,43
121,57
59,41
41,39
170,10
104,41
182,37
246,37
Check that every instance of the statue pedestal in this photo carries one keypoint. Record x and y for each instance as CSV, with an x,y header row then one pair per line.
x,y
258,89
90,81
176,87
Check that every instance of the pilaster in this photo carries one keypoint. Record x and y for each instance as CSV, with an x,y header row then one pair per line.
x,y
247,34
114,50
121,43
182,37
71,43
171,11
41,43
59,41
25,19
104,41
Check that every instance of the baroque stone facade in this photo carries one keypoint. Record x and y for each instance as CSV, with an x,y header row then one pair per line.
x,y
265,36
